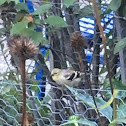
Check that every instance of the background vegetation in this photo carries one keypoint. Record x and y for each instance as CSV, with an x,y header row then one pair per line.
x,y
100,99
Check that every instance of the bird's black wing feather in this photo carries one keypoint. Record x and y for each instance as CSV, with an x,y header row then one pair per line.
x,y
73,76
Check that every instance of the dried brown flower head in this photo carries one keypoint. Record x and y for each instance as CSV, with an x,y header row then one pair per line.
x,y
78,42
22,46
29,119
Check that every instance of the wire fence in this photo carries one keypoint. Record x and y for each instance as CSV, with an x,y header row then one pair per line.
x,y
49,104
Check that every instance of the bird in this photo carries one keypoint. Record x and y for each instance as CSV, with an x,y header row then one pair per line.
x,y
66,77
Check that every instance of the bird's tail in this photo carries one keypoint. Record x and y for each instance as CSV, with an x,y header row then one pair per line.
x,y
82,73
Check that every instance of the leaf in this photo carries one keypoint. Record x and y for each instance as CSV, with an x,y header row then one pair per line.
x,y
110,100
19,16
120,45
35,88
19,27
3,30
2,46
2,1
7,88
16,1
21,6
121,110
68,3
37,37
114,5
42,9
31,33
47,55
80,121
87,99
124,11
121,87
86,11
47,98
117,85
44,110
118,121
55,21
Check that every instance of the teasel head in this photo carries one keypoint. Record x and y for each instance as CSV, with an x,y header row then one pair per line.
x,y
22,47
78,42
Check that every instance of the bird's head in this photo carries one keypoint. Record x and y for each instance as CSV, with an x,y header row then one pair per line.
x,y
55,71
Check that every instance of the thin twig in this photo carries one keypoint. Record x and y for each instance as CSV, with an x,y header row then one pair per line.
x,y
3,40
5,60
29,66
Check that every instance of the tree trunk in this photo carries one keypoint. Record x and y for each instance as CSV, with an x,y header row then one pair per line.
x,y
121,33
96,56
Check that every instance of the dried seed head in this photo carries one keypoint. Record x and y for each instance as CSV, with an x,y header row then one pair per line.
x,y
29,119
22,46
77,41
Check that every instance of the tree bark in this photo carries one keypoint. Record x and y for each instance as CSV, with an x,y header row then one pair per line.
x,y
121,33
96,56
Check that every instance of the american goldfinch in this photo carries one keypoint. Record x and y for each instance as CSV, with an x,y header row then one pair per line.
x,y
66,76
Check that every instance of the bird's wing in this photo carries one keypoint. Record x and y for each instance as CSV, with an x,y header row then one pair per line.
x,y
71,75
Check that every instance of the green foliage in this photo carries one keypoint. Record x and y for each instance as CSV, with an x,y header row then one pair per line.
x,y
114,5
47,56
120,45
124,11
10,108
117,85
115,92
36,36
21,6
16,1
68,3
44,111
118,121
107,110
2,31
87,99
55,21
19,16
86,11
19,27
121,109
10,95
42,9
3,1
77,121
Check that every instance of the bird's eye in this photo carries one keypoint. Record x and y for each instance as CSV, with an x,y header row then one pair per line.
x,y
53,74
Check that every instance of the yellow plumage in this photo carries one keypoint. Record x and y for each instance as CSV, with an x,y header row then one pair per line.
x,y
66,76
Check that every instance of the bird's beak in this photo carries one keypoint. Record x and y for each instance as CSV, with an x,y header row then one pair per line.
x,y
51,75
